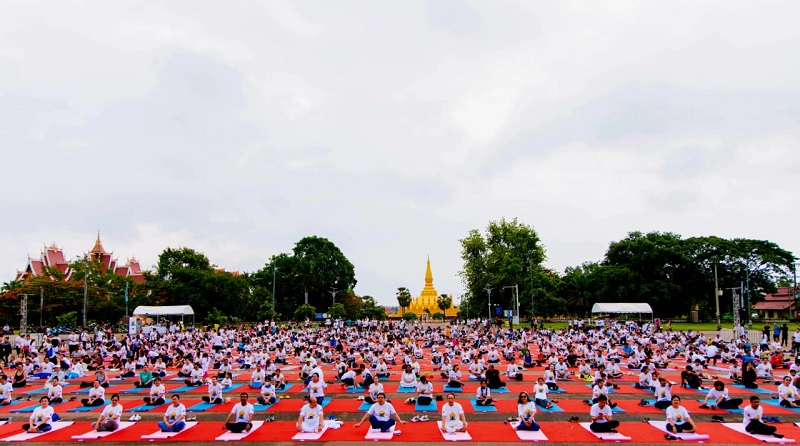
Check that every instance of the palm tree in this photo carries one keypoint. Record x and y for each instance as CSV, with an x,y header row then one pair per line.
x,y
403,298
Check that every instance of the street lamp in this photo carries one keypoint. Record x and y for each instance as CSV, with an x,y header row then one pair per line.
x,y
333,294
85,284
489,290
795,295
515,320
717,292
274,269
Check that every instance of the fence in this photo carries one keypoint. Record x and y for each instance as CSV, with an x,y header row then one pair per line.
x,y
754,336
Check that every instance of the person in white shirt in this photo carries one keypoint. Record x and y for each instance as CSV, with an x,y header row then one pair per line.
x,y
454,377
316,388
678,419
174,416
214,392
663,393
381,415
158,394
97,396
5,390
55,392
453,419
109,418
348,379
719,398
526,410
787,393
540,394
240,418
41,418
310,419
424,391
513,372
257,377
752,419
602,416
374,390
483,395
268,394
764,370
408,378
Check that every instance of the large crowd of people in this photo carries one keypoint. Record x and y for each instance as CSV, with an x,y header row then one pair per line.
x,y
361,353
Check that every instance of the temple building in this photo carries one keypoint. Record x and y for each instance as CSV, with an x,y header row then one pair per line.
x,y
427,301
53,257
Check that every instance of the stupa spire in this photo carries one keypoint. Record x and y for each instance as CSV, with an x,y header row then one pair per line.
x,y
428,273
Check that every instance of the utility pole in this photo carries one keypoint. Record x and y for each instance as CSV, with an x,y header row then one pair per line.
x,y
717,292
126,299
41,306
333,294
85,292
274,269
489,290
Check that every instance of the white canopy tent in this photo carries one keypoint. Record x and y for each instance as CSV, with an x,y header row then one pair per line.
x,y
169,310
622,308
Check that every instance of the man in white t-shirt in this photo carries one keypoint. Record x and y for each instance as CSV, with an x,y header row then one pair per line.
x,y
240,418
174,416
453,419
381,415
5,391
602,416
109,418
752,419
310,419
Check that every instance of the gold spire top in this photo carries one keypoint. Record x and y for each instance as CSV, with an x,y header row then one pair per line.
x,y
98,246
428,273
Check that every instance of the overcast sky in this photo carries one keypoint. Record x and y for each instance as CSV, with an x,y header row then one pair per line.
x,y
393,128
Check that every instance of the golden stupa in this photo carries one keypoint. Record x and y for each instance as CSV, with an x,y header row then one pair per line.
x,y
428,299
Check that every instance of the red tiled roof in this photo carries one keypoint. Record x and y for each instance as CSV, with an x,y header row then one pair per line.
x,y
773,305
36,267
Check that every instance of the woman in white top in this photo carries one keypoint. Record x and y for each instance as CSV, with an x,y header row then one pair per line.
x,y
787,393
316,388
454,377
678,419
109,418
41,417
97,396
663,393
550,378
719,398
483,395
540,394
526,410
268,395
408,378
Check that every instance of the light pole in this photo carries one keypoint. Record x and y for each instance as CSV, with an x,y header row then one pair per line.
x,y
489,290
333,294
515,299
274,269
795,295
717,292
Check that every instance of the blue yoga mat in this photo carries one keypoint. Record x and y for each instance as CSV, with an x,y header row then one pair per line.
x,y
88,408
183,389
263,407
364,406
553,409
758,390
28,409
356,389
231,388
406,389
145,408
288,386
501,390
136,390
453,389
474,402
771,402
429,408
200,407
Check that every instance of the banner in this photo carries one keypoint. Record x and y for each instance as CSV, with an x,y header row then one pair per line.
x,y
132,325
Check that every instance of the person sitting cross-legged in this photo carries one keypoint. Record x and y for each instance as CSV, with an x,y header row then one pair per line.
x,y
602,416
174,416
526,410
381,415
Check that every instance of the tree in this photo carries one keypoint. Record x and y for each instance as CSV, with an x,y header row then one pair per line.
x,y
321,266
370,309
304,312
444,302
580,287
509,253
403,298
337,311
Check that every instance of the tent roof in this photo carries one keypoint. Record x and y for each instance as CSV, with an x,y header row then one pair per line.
x,y
163,311
621,308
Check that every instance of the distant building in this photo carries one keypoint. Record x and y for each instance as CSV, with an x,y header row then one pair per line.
x,y
428,300
53,257
780,305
